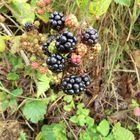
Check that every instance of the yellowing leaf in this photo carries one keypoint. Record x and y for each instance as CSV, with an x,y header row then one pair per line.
x,y
2,44
22,11
99,7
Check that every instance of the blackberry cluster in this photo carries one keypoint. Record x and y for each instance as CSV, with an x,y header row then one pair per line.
x,y
28,26
73,84
66,42
46,45
56,20
89,36
55,63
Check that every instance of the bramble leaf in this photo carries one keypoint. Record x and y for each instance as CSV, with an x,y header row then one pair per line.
x,y
34,111
43,83
103,127
121,133
12,76
53,132
22,11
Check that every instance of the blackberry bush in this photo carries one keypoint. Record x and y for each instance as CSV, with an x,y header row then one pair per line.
x,y
66,42
56,20
46,45
72,84
55,63
28,26
89,36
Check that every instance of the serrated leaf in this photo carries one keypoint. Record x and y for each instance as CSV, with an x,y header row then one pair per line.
x,y
43,84
103,127
53,132
121,133
22,11
12,76
34,111
123,2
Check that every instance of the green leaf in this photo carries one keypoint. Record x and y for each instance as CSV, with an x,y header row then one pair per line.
x,y
16,62
3,10
89,121
22,11
4,105
138,127
121,133
34,111
43,83
2,44
103,127
68,98
74,119
17,92
81,120
22,136
123,2
12,76
53,132
99,7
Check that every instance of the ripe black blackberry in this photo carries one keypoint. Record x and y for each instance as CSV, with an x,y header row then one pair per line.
x,y
55,63
45,46
72,84
56,20
66,42
86,79
28,26
90,36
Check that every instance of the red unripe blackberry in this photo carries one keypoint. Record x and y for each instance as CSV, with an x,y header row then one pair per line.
x,y
66,42
42,70
40,11
34,65
74,59
72,84
55,63
90,36
47,1
57,20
